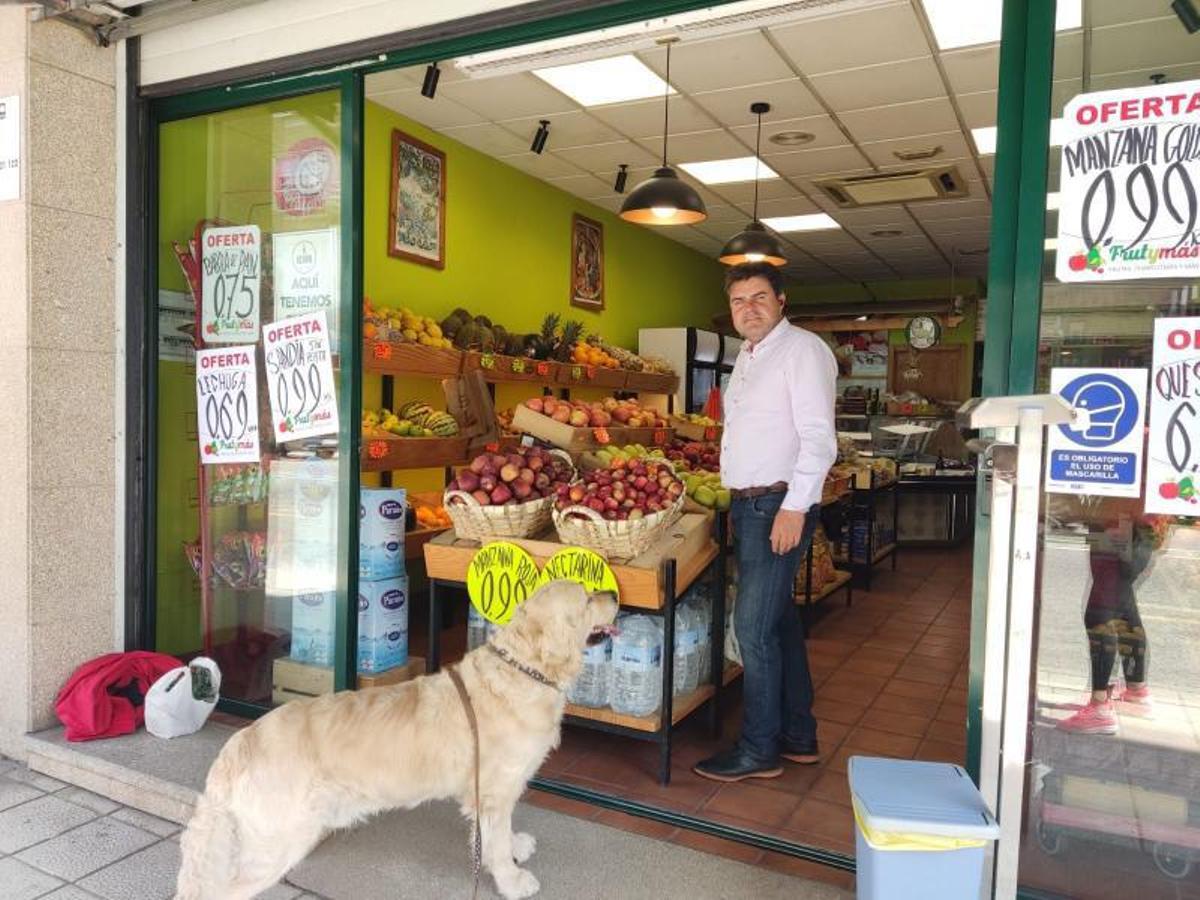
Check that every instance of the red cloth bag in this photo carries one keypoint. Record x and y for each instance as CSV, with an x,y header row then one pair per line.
x,y
87,705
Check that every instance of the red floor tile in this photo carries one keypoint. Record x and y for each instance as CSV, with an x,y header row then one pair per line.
x,y
822,819
896,723
882,743
637,825
833,787
708,844
911,706
753,803
919,690
948,731
827,709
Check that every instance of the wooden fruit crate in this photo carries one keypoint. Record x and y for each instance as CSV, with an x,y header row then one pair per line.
x,y
647,437
384,454
292,680
651,383
386,358
580,375
498,367
693,432
568,437
688,541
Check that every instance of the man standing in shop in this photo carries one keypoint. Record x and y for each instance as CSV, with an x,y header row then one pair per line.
x,y
779,442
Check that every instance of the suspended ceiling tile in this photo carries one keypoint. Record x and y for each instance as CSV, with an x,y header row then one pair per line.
x,y
854,39
573,129
488,138
742,192
789,99
876,216
1141,77
508,96
978,109
1068,55
823,129
973,69
644,119
437,114
598,158
933,210
819,162
731,61
901,120
393,80
544,166
794,205
953,144
724,214
950,226
910,236
894,82
612,203
1116,12
700,146
1140,45
581,185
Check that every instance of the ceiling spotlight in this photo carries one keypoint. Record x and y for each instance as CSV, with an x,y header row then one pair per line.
x,y
860,319
1188,14
622,177
540,136
792,138
429,85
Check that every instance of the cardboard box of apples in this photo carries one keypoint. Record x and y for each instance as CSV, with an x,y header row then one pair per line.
x,y
580,425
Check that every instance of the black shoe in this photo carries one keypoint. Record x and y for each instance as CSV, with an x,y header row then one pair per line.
x,y
803,752
736,764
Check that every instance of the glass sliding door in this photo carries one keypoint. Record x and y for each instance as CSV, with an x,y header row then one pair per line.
x,y
251,531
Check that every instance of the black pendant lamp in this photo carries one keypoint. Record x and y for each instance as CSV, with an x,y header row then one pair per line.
x,y
754,243
664,199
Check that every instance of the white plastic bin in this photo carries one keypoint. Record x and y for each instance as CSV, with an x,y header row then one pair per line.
x,y
921,830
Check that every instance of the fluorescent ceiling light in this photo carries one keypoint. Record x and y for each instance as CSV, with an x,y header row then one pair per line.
x,y
613,80
985,138
727,171
1051,243
959,24
813,222
1052,200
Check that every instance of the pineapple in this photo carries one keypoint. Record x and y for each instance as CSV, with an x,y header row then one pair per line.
x,y
571,333
547,338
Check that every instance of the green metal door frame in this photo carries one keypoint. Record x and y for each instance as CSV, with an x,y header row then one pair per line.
x,y
1014,294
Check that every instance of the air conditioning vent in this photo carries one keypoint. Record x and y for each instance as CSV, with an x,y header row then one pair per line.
x,y
910,186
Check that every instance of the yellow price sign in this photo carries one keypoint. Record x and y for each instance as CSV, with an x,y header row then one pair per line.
x,y
580,564
500,578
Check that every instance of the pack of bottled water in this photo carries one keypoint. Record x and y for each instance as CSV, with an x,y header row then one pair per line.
x,y
591,687
479,629
636,682
687,651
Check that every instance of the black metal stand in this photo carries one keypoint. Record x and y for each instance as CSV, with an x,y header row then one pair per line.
x,y
666,723
810,600
863,509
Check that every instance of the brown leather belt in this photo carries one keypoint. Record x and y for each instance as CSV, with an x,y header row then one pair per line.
x,y
778,487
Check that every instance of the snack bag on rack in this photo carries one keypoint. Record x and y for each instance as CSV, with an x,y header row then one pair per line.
x,y
712,406
239,559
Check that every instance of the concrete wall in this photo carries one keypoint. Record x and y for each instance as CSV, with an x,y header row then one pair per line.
x,y
59,506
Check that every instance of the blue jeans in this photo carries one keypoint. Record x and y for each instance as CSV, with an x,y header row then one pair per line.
x,y
777,686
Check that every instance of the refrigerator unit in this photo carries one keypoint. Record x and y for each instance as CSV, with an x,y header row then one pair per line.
x,y
703,359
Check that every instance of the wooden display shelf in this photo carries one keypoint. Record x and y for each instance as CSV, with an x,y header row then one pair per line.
x,y
680,710
689,542
651,383
384,454
840,579
415,540
292,680
581,375
497,367
387,358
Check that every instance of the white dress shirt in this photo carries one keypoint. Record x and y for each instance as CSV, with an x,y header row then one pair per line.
x,y
779,415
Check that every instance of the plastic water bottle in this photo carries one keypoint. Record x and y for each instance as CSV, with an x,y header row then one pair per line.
x,y
701,607
687,643
478,628
636,667
591,687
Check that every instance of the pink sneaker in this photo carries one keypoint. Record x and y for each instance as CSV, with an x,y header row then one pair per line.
x,y
1095,718
1137,699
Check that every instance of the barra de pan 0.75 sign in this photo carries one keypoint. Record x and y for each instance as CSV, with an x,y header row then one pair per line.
x,y
1129,195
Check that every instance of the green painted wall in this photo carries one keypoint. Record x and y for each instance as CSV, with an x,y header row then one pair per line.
x,y
508,249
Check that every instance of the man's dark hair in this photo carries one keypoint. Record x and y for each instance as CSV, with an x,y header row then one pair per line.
x,y
754,270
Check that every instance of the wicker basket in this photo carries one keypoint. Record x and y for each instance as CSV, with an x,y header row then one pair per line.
x,y
476,522
584,527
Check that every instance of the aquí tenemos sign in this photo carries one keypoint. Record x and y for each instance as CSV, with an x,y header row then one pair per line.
x,y
1129,194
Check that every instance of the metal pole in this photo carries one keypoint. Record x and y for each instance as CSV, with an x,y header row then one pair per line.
x,y
1022,584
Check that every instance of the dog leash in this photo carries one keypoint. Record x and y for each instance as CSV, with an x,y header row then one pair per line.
x,y
477,845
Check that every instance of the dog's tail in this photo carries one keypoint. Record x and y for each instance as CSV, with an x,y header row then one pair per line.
x,y
210,844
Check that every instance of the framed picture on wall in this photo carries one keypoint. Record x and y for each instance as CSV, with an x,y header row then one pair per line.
x,y
417,213
587,263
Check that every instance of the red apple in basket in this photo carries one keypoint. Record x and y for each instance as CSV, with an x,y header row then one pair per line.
x,y
561,414
482,497
468,481
501,494
549,404
535,403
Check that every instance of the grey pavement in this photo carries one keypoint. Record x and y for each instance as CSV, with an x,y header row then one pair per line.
x,y
61,842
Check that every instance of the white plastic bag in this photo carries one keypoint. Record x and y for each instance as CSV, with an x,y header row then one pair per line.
x,y
172,709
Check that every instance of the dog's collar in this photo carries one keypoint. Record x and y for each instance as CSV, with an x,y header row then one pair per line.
x,y
529,671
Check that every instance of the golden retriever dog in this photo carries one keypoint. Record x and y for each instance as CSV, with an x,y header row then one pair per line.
x,y
308,767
